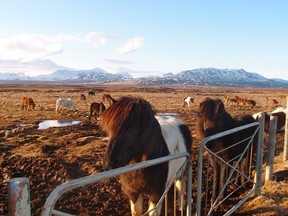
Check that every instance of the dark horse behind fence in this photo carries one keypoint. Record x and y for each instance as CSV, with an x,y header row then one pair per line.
x,y
96,109
136,135
213,119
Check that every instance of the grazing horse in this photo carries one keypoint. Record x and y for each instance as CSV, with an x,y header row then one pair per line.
x,y
136,135
97,109
91,93
27,103
108,98
214,119
83,97
67,103
250,103
187,101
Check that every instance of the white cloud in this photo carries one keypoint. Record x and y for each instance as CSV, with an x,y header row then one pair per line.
x,y
17,51
31,46
97,39
130,45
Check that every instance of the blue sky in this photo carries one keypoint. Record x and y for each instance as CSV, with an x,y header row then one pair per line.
x,y
144,37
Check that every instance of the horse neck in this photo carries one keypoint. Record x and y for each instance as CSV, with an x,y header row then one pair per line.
x,y
155,146
225,121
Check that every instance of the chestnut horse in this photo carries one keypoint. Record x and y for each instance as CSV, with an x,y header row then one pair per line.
x,y
213,119
83,97
27,103
136,135
108,98
97,109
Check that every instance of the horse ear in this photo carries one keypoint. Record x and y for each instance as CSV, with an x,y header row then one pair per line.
x,y
219,107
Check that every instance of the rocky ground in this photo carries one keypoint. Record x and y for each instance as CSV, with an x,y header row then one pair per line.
x,y
52,156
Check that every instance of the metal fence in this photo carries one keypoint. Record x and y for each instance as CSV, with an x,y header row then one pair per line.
x,y
186,203
204,204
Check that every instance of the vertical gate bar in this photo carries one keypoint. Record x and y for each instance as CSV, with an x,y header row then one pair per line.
x,y
166,205
19,197
189,189
285,151
271,148
259,160
199,177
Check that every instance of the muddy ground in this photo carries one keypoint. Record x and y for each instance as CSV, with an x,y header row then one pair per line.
x,y
52,156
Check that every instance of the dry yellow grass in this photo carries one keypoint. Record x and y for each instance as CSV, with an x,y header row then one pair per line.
x,y
30,145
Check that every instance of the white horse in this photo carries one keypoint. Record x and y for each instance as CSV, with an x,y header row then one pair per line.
x,y
280,112
187,101
67,103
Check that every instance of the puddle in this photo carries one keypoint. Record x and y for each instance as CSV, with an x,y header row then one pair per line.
x,y
196,114
56,123
168,113
23,125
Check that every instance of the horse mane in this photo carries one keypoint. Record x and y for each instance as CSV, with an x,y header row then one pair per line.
x,y
119,114
213,114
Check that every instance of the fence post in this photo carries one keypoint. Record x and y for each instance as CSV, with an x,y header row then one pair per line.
x,y
285,151
259,161
271,148
19,197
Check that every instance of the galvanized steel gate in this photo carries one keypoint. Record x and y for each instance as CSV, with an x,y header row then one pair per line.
x,y
252,181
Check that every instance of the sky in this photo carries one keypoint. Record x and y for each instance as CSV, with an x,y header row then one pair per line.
x,y
148,37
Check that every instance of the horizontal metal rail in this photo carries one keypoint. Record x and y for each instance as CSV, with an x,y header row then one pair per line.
x,y
48,208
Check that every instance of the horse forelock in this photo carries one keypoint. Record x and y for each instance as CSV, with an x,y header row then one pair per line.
x,y
119,114
207,110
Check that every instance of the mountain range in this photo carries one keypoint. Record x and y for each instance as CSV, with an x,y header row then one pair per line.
x,y
195,77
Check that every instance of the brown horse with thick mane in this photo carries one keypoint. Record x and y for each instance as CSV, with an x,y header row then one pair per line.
x,y
27,103
213,119
97,109
136,135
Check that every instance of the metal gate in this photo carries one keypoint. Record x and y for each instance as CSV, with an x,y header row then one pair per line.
x,y
204,204
48,208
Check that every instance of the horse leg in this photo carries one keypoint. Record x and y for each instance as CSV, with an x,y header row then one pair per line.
x,y
91,113
222,179
180,185
152,205
216,178
137,206
244,168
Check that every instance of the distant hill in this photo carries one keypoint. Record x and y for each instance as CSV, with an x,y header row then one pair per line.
x,y
216,77
196,77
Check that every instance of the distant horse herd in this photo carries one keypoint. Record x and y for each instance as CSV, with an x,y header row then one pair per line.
x,y
137,134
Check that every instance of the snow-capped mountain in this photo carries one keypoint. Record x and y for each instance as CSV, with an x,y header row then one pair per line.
x,y
14,76
195,77
97,75
216,77
93,75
